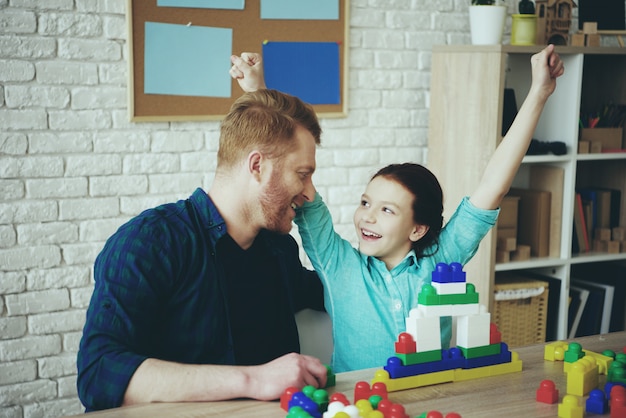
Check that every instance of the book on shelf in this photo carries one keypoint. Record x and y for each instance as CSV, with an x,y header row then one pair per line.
x,y
614,275
534,216
591,319
580,241
551,179
608,292
578,301
605,204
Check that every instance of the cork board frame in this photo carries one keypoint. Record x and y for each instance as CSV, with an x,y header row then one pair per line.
x,y
249,33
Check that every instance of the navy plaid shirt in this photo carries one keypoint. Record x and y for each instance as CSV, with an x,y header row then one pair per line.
x,y
159,293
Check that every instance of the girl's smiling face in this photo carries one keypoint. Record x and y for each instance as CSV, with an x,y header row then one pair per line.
x,y
384,221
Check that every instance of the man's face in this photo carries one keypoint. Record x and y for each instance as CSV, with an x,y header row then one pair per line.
x,y
289,183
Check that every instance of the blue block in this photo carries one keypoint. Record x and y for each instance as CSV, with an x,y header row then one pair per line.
x,y
445,273
450,359
597,402
306,403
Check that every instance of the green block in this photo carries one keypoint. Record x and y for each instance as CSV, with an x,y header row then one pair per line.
x,y
574,353
485,350
418,358
428,296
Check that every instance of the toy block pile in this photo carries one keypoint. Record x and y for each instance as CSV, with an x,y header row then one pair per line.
x,y
583,368
419,358
369,402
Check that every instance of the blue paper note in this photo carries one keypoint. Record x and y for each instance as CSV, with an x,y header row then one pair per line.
x,y
301,9
308,70
187,60
203,4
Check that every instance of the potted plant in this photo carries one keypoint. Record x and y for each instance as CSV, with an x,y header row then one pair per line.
x,y
524,24
487,19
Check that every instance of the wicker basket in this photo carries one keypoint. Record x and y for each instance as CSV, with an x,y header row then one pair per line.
x,y
521,310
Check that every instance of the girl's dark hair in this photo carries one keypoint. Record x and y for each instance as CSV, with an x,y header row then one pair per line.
x,y
427,200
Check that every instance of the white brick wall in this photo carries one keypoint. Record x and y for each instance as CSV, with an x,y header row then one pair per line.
x,y
73,168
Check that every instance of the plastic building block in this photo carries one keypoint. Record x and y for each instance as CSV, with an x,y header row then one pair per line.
x,y
603,361
362,390
437,414
547,392
286,397
487,371
617,372
416,358
406,344
570,407
617,404
339,397
425,330
331,379
555,351
411,382
473,330
428,296
582,376
574,352
452,273
495,336
596,402
486,350
449,288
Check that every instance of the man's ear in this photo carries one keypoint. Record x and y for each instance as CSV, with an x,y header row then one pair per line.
x,y
255,161
418,232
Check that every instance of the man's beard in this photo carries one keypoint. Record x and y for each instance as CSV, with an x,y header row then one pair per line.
x,y
276,206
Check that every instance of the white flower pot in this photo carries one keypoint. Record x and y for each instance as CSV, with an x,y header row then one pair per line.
x,y
487,24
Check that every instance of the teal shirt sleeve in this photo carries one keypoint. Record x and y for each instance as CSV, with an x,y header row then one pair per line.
x,y
322,244
461,236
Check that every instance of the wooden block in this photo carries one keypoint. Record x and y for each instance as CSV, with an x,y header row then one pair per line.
x,y
592,40
622,246
534,220
618,233
521,253
584,147
578,39
506,232
503,256
506,244
609,138
602,234
595,147
613,247
508,212
551,179
600,246
590,28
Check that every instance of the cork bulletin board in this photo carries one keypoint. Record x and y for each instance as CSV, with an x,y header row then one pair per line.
x,y
245,31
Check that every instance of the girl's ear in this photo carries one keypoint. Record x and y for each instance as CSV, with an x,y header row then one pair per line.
x,y
418,232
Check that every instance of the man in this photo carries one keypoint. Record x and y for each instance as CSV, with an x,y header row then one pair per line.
x,y
195,300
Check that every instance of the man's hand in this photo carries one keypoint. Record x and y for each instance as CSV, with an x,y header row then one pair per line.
x,y
269,381
248,71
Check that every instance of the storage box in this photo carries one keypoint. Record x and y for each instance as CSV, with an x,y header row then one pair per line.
x,y
521,310
610,138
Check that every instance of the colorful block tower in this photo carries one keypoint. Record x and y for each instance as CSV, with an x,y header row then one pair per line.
x,y
420,359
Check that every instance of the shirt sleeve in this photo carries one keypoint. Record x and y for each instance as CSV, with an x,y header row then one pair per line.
x,y
118,323
462,234
324,247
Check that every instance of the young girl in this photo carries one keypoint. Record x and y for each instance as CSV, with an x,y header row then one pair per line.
x,y
370,291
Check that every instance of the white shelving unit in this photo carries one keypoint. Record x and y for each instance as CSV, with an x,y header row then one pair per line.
x,y
467,94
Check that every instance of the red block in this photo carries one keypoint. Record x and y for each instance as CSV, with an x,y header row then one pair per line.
x,y
405,344
547,392
618,402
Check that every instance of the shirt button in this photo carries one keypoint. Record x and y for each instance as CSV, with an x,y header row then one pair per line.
x,y
398,305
